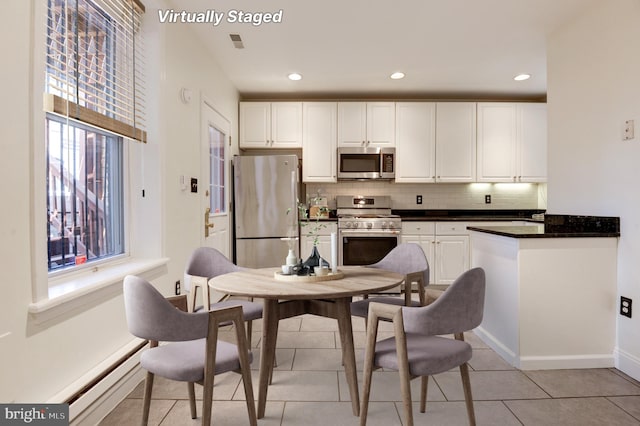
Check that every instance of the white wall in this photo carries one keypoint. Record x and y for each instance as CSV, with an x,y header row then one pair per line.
x,y
39,361
593,87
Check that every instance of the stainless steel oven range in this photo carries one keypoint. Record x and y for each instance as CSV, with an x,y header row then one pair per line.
x,y
367,230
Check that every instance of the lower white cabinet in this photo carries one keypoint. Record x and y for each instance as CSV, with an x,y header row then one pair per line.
x,y
446,245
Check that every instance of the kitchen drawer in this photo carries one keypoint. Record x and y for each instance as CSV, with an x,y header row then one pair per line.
x,y
452,228
418,228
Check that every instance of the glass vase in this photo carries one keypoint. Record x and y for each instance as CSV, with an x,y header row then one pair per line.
x,y
314,260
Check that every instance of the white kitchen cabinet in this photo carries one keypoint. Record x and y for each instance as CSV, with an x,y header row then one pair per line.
x,y
512,142
324,242
415,142
446,245
423,234
319,141
455,142
270,125
532,142
366,124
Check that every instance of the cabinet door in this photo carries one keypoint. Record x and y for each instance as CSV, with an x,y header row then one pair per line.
x,y
496,142
352,124
455,144
319,140
532,142
452,257
381,121
415,141
255,124
427,242
286,124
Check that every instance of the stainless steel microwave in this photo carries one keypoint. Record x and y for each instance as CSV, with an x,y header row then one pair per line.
x,y
366,163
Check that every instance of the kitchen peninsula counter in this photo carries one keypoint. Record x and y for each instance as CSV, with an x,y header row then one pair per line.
x,y
550,300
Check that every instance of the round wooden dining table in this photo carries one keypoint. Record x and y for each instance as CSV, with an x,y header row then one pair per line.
x,y
286,297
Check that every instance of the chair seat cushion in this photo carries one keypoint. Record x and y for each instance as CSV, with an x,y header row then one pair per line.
x,y
427,354
361,307
250,310
184,361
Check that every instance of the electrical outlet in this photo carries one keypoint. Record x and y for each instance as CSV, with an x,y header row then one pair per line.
x,y
178,288
487,199
625,306
418,199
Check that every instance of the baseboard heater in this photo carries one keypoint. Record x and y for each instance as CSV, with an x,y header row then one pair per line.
x,y
96,393
73,398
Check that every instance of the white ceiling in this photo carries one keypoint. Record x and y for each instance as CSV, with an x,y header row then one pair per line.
x,y
348,48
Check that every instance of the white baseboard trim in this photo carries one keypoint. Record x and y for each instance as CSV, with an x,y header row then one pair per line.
x,y
562,362
551,362
506,354
627,363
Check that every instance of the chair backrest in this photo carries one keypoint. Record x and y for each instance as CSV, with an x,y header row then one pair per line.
x,y
404,259
458,309
151,316
208,262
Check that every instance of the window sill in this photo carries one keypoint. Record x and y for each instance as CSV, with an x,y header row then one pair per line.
x,y
92,288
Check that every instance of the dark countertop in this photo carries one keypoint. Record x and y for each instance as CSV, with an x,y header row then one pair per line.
x,y
559,226
466,215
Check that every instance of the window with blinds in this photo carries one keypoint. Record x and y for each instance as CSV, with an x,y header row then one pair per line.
x,y
94,99
95,62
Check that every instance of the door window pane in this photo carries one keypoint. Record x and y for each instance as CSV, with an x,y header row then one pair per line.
x,y
217,172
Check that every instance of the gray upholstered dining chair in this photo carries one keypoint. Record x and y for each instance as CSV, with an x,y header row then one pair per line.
x,y
407,259
194,355
206,263
417,349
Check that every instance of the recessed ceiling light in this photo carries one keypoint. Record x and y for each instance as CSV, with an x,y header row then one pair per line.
x,y
397,75
295,76
522,77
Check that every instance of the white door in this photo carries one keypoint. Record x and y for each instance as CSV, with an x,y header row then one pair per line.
x,y
215,168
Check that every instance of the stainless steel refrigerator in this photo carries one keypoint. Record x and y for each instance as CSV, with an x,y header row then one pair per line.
x,y
265,188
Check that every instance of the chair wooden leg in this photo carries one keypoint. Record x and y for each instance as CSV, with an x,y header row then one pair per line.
x,y
367,372
403,366
245,370
249,329
468,398
423,393
146,402
192,298
192,400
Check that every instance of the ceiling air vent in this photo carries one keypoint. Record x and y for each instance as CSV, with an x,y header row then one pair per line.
x,y
237,41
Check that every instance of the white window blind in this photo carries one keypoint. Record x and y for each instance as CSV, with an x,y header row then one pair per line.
x,y
95,64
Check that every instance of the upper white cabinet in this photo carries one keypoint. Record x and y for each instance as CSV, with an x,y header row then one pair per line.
x,y
532,142
512,142
366,124
415,142
319,141
270,125
455,152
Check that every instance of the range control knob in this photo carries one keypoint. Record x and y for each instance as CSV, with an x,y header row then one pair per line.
x,y
384,225
347,225
369,225
391,225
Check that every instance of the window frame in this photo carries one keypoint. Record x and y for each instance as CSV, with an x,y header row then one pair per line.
x,y
56,295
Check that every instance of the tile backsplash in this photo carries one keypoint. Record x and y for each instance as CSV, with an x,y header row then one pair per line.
x,y
505,196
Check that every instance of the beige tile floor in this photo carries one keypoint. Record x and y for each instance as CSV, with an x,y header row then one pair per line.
x,y
309,388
